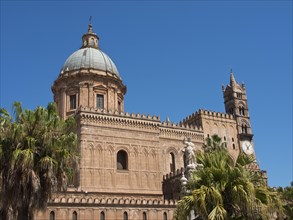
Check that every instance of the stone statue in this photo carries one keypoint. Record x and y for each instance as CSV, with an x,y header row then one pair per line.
x,y
188,150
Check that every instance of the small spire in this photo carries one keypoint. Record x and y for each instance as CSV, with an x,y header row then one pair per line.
x,y
232,79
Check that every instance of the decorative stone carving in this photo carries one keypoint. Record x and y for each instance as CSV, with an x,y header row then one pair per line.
x,y
189,155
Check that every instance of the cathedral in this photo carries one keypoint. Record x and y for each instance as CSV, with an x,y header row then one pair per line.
x,y
130,163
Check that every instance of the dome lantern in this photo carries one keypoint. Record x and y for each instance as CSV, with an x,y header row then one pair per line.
x,y
90,39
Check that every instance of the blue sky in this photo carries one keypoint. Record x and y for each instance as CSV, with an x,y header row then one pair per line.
x,y
173,56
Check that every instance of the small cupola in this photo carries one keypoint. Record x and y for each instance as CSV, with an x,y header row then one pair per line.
x,y
90,39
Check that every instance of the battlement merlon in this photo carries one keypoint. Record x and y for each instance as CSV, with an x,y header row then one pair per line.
x,y
144,117
195,118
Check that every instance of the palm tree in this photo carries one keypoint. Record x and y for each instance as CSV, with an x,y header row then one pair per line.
x,y
37,151
223,189
286,194
213,143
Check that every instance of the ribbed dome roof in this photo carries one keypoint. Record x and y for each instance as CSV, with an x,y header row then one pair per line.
x,y
90,58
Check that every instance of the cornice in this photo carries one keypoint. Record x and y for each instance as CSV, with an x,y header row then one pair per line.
x,y
110,200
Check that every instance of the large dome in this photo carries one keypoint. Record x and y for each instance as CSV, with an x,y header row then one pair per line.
x,y
90,58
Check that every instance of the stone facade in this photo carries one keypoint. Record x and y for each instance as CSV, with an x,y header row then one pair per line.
x,y
126,160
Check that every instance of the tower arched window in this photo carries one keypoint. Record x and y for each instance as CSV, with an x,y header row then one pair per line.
x,y
52,215
102,215
165,217
144,216
172,162
244,129
241,110
74,215
125,216
122,160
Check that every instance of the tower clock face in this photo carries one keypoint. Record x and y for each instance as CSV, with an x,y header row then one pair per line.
x,y
247,147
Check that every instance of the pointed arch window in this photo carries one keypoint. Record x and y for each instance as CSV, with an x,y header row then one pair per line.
x,y
144,216
122,160
244,129
172,162
102,215
52,215
74,215
165,217
241,110
239,95
125,216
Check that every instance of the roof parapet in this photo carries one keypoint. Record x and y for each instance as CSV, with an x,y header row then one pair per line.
x,y
208,113
116,113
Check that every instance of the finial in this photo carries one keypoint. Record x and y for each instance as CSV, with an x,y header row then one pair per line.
x,y
91,20
90,29
167,119
231,71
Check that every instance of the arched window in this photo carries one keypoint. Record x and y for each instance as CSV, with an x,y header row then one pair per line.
x,y
102,216
92,42
125,216
172,162
74,215
122,160
52,215
144,216
241,110
165,216
119,106
244,129
233,146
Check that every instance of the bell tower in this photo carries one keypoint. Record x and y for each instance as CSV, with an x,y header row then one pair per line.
x,y
235,101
